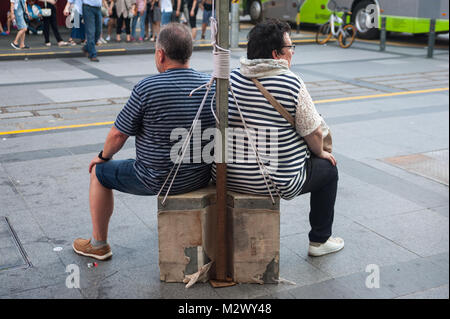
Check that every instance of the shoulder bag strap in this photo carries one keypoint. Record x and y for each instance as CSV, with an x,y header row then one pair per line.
x,y
284,113
21,4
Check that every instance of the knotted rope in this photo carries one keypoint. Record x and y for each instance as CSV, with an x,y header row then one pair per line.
x,y
221,64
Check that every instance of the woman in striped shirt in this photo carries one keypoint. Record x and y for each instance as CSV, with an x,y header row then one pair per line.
x,y
294,158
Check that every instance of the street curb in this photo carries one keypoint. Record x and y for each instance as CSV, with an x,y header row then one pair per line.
x,y
101,52
111,52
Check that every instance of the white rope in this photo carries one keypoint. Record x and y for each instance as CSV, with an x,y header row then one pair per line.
x,y
262,167
184,147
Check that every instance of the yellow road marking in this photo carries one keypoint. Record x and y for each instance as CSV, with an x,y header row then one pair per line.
x,y
34,53
112,50
56,128
351,98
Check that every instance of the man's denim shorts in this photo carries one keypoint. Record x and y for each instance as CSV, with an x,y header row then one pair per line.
x,y
121,175
20,20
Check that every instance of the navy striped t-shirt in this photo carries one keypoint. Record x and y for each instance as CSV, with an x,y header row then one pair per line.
x,y
159,105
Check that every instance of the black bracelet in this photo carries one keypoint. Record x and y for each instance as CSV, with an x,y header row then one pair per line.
x,y
100,156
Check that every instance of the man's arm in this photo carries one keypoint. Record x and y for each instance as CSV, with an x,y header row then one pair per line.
x,y
315,144
114,142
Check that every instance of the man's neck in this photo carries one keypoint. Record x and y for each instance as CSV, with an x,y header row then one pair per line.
x,y
172,66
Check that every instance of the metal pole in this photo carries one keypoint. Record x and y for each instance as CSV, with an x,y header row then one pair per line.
x,y
223,41
235,24
431,38
383,34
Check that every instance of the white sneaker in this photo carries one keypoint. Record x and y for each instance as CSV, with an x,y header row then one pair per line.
x,y
330,246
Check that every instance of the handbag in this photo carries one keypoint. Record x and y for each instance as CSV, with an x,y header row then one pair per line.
x,y
327,140
46,12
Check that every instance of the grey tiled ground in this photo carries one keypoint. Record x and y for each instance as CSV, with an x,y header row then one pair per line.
x,y
389,217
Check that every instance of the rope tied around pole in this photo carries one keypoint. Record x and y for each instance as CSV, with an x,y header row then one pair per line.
x,y
221,70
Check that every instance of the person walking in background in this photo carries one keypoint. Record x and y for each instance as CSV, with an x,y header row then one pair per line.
x,y
112,22
10,22
51,22
182,9
166,11
74,8
92,16
206,6
2,32
193,8
148,21
35,25
125,11
19,13
156,26
141,16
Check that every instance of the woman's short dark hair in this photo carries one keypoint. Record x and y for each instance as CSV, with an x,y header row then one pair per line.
x,y
176,41
266,37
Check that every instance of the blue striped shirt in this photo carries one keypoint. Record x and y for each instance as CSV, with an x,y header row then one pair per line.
x,y
158,105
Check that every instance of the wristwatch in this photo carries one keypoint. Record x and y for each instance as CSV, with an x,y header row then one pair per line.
x,y
100,156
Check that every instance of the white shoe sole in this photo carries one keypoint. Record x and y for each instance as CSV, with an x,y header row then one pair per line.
x,y
106,256
321,252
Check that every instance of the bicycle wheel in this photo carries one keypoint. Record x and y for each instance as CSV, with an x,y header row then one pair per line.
x,y
347,36
324,34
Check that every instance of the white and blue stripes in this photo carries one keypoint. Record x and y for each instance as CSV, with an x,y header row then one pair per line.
x,y
158,105
287,167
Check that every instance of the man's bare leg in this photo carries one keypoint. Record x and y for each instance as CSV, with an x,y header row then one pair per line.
x,y
101,202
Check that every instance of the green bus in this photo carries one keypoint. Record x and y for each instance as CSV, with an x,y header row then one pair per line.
x,y
410,16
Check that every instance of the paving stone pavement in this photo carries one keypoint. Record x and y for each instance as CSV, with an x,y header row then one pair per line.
x,y
395,223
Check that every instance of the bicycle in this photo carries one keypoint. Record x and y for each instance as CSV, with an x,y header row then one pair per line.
x,y
345,34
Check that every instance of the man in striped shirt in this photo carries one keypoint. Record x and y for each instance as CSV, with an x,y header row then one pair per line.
x,y
159,105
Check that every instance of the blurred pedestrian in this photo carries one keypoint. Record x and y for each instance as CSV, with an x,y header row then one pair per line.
x,y
148,21
125,11
166,11
193,9
35,25
92,16
50,21
141,15
19,13
182,10
2,32
74,8
112,22
206,6
155,7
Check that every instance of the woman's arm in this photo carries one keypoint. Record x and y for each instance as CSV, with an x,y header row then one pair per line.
x,y
315,144
67,8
